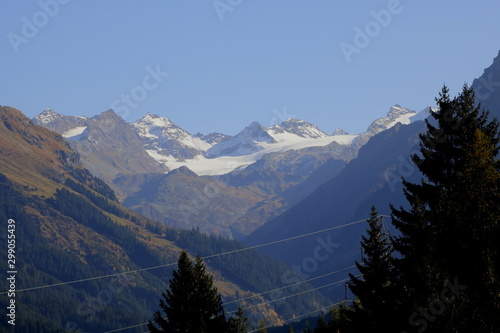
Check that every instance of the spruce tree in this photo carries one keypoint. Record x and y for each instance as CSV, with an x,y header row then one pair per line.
x,y
341,319
238,324
374,308
192,303
449,236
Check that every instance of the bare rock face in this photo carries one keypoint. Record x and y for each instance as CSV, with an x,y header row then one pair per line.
x,y
108,146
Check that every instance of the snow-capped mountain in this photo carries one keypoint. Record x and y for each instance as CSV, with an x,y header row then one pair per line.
x,y
300,128
67,126
340,131
289,134
252,139
162,137
396,114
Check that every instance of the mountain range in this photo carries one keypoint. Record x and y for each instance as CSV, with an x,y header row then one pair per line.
x,y
262,171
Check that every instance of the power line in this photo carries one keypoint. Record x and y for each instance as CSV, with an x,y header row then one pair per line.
x,y
262,303
90,279
126,328
290,285
270,243
217,255
293,295
279,323
204,258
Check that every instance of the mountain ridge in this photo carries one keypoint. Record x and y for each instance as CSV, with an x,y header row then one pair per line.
x,y
216,153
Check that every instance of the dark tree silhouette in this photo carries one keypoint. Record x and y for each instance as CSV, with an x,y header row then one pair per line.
x,y
449,236
375,288
192,303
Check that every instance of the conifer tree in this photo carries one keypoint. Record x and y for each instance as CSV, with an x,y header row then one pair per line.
x,y
238,324
374,289
341,319
449,236
192,303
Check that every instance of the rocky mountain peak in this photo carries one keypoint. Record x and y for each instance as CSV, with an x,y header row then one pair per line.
x,y
109,116
396,114
248,141
46,116
397,111
151,119
58,122
161,135
213,138
256,131
183,170
340,131
302,128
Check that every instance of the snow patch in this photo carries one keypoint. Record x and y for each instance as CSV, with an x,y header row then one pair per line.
x,y
74,133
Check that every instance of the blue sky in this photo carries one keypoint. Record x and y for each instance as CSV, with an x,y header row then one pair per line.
x,y
219,65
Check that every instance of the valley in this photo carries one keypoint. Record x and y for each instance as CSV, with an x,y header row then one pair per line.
x,y
104,207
